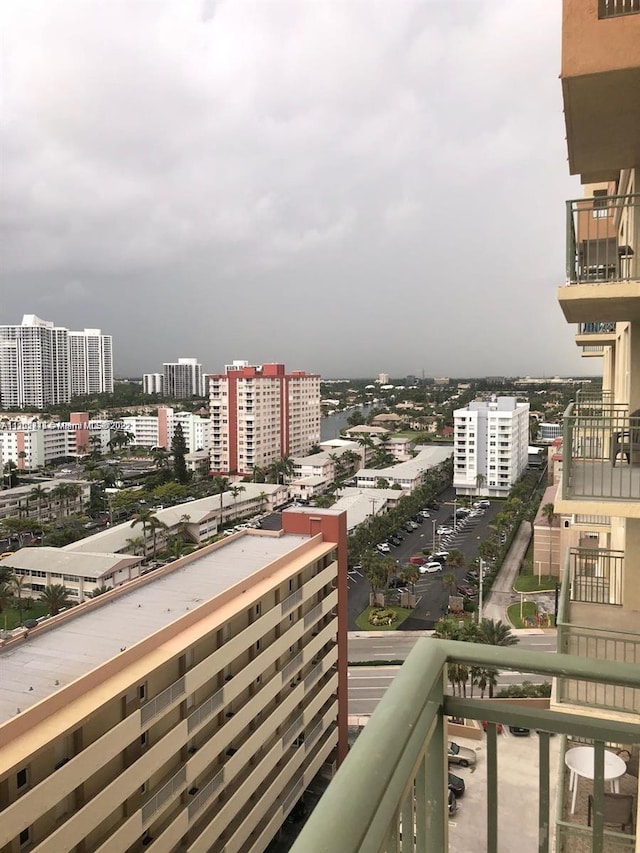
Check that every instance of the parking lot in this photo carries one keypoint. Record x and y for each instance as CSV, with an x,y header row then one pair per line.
x,y
517,796
433,595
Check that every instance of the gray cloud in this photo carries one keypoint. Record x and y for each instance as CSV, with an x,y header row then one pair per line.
x,y
347,187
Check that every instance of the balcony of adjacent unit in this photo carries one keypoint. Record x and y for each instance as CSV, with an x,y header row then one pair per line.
x,y
603,261
390,794
601,460
595,623
594,338
601,86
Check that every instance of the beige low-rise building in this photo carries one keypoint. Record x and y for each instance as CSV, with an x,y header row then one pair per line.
x,y
188,709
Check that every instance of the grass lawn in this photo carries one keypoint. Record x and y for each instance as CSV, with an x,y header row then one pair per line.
x,y
363,619
530,583
9,618
530,610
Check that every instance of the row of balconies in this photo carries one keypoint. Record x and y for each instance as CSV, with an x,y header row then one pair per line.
x,y
235,648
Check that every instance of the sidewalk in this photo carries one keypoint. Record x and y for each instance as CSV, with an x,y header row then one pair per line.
x,y
502,593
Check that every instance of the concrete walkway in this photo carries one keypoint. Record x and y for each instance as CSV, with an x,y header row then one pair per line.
x,y
502,593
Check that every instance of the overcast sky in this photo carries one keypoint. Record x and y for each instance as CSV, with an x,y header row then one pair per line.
x,y
348,186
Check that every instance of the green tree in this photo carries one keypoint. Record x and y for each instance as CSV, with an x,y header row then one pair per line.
x,y
143,516
55,596
494,632
220,485
154,526
235,492
374,571
179,450
40,495
549,514
18,585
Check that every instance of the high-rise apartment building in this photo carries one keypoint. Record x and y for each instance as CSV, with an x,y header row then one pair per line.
x,y
182,379
491,441
188,709
598,495
91,360
261,413
152,383
34,364
44,365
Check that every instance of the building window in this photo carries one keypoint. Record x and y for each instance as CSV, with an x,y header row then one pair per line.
x,y
600,205
142,692
144,739
22,778
24,836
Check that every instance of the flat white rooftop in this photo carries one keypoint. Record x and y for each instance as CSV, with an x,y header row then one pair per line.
x,y
41,665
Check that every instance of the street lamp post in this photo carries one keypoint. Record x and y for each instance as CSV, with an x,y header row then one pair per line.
x,y
455,505
480,595
433,545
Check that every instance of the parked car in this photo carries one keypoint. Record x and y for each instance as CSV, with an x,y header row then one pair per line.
x,y
462,512
433,504
456,784
453,803
461,755
418,519
430,568
439,557
384,547
393,540
417,560
424,513
484,504
399,535
465,590
485,726
518,731
444,531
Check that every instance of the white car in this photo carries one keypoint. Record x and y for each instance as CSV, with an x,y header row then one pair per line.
x,y
430,568
384,548
425,513
444,531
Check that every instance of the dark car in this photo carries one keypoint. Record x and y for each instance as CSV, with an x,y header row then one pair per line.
x,y
456,784
433,504
393,540
518,731
453,803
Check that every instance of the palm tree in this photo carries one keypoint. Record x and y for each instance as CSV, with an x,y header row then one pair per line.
x,y
18,583
55,596
411,574
154,525
235,491
494,632
373,570
263,498
39,494
6,598
480,481
219,487
548,512
136,544
143,517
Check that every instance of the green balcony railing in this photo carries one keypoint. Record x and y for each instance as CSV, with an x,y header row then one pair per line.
x,y
602,239
581,614
395,778
600,452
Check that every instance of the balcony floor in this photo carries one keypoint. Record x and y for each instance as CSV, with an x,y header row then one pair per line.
x,y
598,480
628,785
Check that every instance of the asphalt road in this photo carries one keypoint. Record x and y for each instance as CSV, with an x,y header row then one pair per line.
x,y
367,684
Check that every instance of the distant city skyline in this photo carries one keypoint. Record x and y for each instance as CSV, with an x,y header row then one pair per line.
x,y
199,178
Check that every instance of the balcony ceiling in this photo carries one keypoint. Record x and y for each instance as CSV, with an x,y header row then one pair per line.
x,y
596,339
602,117
586,303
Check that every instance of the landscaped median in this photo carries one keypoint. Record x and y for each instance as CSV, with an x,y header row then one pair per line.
x,y
524,614
382,618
